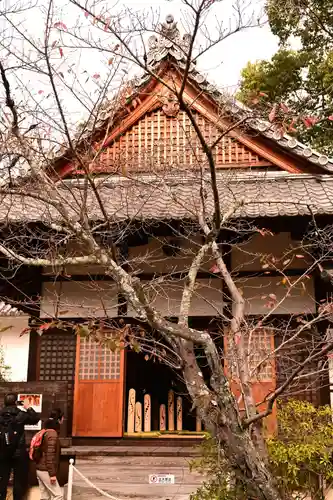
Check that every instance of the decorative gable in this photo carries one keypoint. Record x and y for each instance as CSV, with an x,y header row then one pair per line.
x,y
159,142
143,130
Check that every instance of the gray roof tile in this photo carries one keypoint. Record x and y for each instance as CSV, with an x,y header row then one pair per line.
x,y
178,197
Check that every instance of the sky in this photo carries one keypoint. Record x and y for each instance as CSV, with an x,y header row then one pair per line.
x,y
224,65
221,64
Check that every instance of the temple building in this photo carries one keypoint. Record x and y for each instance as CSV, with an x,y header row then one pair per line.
x,y
149,180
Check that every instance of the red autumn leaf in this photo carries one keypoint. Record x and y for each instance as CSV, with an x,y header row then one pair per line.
x,y
24,332
284,108
61,52
263,94
265,232
237,339
272,114
61,25
214,269
46,326
291,126
330,118
309,121
96,76
40,92
110,61
107,24
86,14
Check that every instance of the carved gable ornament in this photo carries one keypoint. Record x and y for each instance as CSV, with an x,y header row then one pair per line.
x,y
170,105
169,42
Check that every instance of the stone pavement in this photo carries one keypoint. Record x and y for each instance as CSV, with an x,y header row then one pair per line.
x,y
124,473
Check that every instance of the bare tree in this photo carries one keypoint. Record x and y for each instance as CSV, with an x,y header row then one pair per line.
x,y
54,223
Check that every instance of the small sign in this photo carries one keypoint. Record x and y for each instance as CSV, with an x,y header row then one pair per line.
x,y
35,401
161,479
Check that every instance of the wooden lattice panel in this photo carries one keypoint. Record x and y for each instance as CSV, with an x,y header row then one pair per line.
x,y
259,351
57,357
98,362
57,353
259,354
158,142
306,387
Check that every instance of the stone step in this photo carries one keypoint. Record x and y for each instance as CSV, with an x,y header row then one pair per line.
x,y
129,477
127,461
133,451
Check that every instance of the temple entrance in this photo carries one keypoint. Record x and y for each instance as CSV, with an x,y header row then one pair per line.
x,y
99,390
157,402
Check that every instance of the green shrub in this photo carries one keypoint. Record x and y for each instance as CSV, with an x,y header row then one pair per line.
x,y
299,457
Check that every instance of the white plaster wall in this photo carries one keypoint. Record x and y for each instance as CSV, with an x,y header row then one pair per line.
x,y
166,297
70,299
256,290
15,347
246,256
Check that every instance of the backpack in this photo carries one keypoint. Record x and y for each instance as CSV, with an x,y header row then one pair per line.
x,y
9,435
35,452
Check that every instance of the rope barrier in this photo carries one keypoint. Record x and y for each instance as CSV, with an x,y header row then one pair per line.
x,y
92,485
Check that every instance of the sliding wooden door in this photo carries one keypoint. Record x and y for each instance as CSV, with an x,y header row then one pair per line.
x,y
99,391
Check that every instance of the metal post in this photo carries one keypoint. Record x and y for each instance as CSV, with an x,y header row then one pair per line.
x,y
70,479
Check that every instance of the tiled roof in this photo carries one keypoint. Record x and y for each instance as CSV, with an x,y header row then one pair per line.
x,y
170,45
8,310
178,197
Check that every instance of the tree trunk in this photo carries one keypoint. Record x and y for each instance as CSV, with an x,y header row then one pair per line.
x,y
218,410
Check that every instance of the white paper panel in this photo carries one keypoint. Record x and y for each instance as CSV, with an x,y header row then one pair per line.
x,y
246,256
166,297
79,299
256,291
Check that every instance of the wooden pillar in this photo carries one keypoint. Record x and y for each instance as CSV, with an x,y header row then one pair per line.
x,y
147,413
138,417
198,424
171,411
162,418
179,413
131,411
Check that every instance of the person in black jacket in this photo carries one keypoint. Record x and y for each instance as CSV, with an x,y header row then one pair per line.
x,y
14,457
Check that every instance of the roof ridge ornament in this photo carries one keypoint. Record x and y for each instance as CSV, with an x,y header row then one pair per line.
x,y
168,43
169,28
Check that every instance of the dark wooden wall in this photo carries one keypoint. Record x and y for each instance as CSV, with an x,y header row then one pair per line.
x,y
55,395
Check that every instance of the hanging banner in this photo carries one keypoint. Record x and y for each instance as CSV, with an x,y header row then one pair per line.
x,y
35,401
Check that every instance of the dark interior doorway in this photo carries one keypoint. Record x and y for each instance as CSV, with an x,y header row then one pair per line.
x,y
155,378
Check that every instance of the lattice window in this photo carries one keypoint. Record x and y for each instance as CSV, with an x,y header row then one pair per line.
x,y
57,353
57,356
306,387
98,362
259,355
158,142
